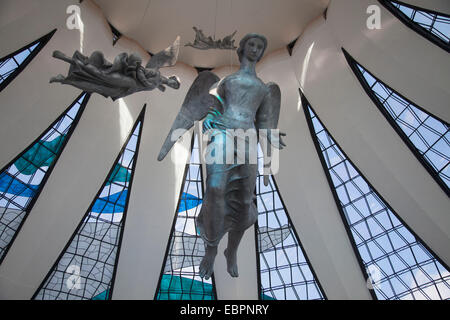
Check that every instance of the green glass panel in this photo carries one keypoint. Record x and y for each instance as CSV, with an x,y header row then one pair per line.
x,y
102,296
40,155
181,288
266,297
120,174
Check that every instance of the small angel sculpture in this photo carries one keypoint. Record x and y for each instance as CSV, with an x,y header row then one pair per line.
x,y
123,77
205,43
243,102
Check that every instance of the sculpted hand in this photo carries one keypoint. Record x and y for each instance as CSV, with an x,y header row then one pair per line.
x,y
276,140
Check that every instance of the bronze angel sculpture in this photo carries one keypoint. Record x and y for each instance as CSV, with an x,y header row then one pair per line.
x,y
123,77
242,102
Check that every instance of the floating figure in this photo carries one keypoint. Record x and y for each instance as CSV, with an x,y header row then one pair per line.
x,y
243,102
205,43
123,77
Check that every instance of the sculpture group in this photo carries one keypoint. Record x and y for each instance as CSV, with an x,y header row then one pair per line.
x,y
123,77
241,101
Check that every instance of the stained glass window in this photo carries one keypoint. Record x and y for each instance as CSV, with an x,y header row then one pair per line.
x,y
13,64
400,265
115,33
425,134
86,268
433,25
180,278
22,179
284,270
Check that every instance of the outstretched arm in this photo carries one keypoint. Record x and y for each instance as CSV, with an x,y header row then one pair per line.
x,y
267,123
268,115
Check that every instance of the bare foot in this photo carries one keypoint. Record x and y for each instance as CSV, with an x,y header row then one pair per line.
x,y
58,78
173,82
207,264
232,267
58,55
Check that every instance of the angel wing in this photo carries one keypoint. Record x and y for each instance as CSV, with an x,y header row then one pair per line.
x,y
267,118
195,107
165,58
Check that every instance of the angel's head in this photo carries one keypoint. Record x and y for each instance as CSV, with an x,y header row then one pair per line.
x,y
252,46
134,60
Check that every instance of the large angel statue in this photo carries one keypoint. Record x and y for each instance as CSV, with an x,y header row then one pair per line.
x,y
123,77
242,101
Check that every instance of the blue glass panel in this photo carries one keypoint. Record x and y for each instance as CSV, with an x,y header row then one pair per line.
x,y
433,25
427,135
11,65
22,180
399,265
437,24
285,273
189,202
85,269
180,279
